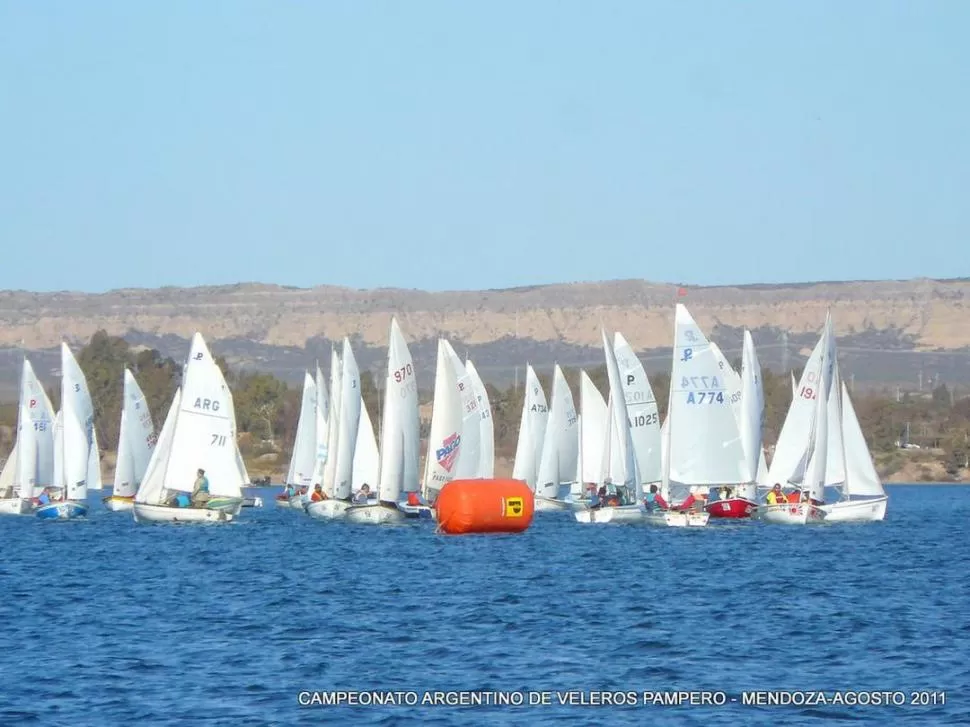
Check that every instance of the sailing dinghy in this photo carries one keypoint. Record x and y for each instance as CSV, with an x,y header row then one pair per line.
x,y
136,442
618,467
560,448
802,452
400,440
199,433
30,467
72,451
344,427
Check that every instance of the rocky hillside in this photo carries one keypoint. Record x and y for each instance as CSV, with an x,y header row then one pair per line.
x,y
888,331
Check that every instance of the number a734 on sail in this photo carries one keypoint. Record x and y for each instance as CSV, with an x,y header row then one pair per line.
x,y
199,434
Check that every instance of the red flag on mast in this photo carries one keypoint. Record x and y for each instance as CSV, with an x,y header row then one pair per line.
x,y
681,292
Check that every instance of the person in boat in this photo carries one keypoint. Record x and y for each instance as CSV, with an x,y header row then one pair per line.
x,y
795,496
363,495
318,494
599,499
653,500
695,500
414,500
200,490
44,498
776,496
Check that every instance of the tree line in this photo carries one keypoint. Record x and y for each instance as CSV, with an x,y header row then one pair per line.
x,y
267,408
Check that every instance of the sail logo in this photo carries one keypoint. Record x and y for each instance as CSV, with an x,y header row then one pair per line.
x,y
448,452
32,404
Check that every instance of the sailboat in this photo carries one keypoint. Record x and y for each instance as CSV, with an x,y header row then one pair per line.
x,y
486,465
30,467
72,452
532,431
560,447
642,409
136,442
344,426
400,439
702,439
303,462
591,428
468,466
367,459
618,466
199,434
802,451
445,440
747,403
863,497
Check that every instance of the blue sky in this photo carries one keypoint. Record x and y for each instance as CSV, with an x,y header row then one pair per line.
x,y
454,145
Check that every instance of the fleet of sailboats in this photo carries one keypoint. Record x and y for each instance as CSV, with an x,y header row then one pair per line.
x,y
609,460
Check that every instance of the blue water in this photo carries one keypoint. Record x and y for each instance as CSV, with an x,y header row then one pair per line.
x,y
108,622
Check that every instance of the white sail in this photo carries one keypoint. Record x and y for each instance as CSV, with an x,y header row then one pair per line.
x,y
641,405
94,463
486,426
792,448
366,458
861,477
835,459
8,475
400,443
35,436
594,428
751,410
445,438
58,480
77,419
557,461
705,443
333,431
348,422
136,439
204,435
321,429
151,488
815,471
731,380
470,458
532,430
304,459
623,464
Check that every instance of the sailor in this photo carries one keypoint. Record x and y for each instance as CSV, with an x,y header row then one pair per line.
x,y
653,500
318,494
200,490
776,496
363,495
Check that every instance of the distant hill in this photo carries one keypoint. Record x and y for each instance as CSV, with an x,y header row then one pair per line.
x,y
888,331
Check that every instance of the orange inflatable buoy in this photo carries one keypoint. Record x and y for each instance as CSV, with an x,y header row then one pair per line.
x,y
484,506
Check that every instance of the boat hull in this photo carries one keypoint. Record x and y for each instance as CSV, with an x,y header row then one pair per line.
x,y
15,506
871,510
678,519
117,503
609,514
252,502
791,514
328,509
375,515
422,512
63,510
736,508
145,513
548,504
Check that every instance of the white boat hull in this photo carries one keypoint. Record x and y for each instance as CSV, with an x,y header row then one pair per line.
x,y
167,514
328,509
620,514
118,504
375,515
15,506
252,502
678,519
548,504
870,510
791,514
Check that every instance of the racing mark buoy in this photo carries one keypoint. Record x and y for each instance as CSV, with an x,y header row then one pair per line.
x,y
485,506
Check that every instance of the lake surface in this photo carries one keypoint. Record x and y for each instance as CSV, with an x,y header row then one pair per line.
x,y
109,622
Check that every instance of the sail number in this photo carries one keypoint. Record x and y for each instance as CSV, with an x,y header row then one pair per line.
x,y
644,420
151,439
807,392
699,382
402,373
705,397
218,440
